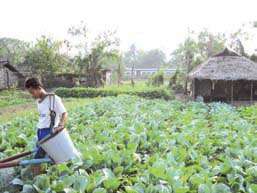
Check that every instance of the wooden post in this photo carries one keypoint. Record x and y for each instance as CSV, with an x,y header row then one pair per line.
x,y
7,79
193,89
251,99
212,89
232,92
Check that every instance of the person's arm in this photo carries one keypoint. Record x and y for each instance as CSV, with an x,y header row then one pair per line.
x,y
63,120
61,110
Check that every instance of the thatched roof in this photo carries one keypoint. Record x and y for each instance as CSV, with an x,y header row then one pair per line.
x,y
226,65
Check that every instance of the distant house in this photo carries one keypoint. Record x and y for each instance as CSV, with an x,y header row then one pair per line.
x,y
107,76
60,80
146,72
226,76
74,79
9,75
96,79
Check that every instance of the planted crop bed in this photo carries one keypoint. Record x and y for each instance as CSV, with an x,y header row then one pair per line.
x,y
135,145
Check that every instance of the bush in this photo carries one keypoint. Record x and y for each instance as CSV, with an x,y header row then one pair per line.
x,y
156,79
177,81
173,79
79,92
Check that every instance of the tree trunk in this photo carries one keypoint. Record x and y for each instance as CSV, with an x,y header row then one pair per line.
x,y
189,58
119,74
7,79
241,48
132,75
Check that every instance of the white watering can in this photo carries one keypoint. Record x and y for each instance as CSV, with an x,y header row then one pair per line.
x,y
59,147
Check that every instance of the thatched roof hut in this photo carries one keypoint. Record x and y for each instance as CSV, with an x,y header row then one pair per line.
x,y
226,65
225,76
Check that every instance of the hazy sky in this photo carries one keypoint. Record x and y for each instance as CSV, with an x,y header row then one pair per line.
x,y
148,23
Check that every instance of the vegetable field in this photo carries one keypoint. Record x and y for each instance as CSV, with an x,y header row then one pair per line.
x,y
135,145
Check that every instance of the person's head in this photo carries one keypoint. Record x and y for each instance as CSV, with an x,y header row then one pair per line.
x,y
34,87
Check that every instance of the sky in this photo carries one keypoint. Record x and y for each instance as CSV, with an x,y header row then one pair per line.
x,y
149,24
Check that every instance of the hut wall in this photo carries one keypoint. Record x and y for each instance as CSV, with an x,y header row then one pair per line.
x,y
7,78
202,88
222,90
242,90
2,78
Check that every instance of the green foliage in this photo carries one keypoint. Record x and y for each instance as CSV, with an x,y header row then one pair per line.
x,y
197,48
45,57
157,79
131,144
150,93
176,81
95,55
13,49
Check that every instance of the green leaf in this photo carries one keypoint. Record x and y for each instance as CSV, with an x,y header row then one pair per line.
x,y
253,188
80,184
220,188
42,182
204,188
158,172
58,186
27,188
17,181
99,190
252,171
111,183
137,188
69,190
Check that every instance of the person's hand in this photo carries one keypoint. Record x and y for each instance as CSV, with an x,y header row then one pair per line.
x,y
59,128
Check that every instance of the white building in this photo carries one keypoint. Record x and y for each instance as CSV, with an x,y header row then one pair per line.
x,y
146,72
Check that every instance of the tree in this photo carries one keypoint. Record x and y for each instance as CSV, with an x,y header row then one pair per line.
x,y
13,49
133,60
209,43
194,50
45,58
236,39
154,58
200,46
189,53
94,56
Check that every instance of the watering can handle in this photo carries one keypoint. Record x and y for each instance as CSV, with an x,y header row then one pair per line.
x,y
9,164
16,157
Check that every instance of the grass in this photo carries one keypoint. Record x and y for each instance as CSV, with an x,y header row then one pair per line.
x,y
13,97
23,110
127,86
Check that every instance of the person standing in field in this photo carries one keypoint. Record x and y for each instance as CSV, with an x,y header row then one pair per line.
x,y
52,114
